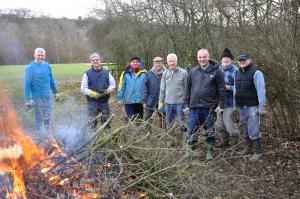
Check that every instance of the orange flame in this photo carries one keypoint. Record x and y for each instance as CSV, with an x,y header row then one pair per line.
x,y
17,150
18,153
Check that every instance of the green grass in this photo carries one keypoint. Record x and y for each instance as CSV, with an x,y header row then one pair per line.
x,y
11,80
14,73
11,76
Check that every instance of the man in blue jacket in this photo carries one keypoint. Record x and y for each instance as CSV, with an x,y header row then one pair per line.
x,y
131,91
97,84
205,95
38,80
152,88
250,98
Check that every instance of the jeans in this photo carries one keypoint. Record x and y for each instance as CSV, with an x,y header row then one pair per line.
x,y
43,113
201,117
225,122
172,110
249,118
95,108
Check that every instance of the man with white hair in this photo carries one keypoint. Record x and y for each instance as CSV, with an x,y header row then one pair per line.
x,y
38,80
173,88
97,84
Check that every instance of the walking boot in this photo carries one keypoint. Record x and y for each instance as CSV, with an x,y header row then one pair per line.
x,y
209,150
256,146
247,149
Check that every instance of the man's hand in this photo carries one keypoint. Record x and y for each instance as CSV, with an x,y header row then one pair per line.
x,y
29,104
160,107
219,110
121,106
262,110
57,97
186,111
227,87
94,95
106,92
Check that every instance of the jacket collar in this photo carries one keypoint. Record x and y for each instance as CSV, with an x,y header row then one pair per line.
x,y
162,70
139,73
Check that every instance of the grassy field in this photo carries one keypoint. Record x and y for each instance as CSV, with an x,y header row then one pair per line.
x,y
12,76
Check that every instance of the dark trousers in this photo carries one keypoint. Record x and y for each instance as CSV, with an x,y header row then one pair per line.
x,y
201,117
148,112
95,108
134,110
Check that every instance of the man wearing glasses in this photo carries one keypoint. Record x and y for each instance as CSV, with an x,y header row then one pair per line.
x,y
97,84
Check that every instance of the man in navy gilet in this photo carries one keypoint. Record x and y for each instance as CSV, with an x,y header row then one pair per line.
x,y
250,98
97,84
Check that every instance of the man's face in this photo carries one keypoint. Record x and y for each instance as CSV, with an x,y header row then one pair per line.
x,y
39,57
203,58
158,65
172,63
96,62
226,61
135,63
244,63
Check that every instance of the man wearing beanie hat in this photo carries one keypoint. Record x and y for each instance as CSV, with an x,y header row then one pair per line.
x,y
131,90
97,84
225,120
250,98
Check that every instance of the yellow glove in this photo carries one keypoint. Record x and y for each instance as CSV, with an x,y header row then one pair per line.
x,y
94,95
107,92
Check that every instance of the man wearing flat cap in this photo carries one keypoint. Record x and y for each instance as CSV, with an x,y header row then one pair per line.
x,y
130,93
97,84
151,90
251,100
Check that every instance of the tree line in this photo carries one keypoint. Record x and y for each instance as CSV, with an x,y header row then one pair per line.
x,y
268,29
64,39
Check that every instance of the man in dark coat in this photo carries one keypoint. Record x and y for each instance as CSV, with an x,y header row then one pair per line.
x,y
205,95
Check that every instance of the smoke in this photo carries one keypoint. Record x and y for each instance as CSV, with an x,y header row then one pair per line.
x,y
12,51
69,120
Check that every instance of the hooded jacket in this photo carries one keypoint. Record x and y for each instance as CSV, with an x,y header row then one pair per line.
x,y
132,87
206,86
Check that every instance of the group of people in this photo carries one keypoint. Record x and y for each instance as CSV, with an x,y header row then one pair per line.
x,y
210,93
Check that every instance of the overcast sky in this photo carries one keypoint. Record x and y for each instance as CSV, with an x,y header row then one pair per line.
x,y
54,8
